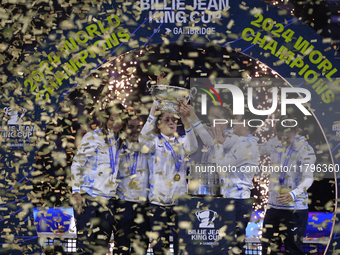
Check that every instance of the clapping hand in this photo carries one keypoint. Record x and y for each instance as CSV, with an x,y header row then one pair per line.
x,y
217,134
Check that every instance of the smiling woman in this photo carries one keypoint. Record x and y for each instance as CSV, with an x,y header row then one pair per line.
x,y
132,179
167,123
167,172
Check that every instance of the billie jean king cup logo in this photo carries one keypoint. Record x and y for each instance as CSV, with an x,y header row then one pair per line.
x,y
14,119
206,217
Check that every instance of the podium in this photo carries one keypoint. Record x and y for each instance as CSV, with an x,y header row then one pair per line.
x,y
206,225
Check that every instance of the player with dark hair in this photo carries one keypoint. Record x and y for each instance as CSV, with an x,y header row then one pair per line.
x,y
131,219
287,212
94,170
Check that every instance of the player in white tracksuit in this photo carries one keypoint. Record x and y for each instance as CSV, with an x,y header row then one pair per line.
x,y
132,191
287,201
215,112
94,171
167,171
242,162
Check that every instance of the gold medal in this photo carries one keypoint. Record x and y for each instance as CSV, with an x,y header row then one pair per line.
x,y
132,185
283,190
177,177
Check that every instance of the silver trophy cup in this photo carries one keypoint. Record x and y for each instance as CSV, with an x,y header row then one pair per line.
x,y
170,96
207,182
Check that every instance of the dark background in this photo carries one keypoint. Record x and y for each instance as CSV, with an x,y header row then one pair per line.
x,y
322,16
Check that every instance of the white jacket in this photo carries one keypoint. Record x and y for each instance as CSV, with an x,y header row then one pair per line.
x,y
164,189
132,186
242,162
268,147
91,169
299,177
208,156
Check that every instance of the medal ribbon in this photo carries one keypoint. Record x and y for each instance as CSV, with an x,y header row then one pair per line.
x,y
177,158
285,163
113,161
133,168
207,154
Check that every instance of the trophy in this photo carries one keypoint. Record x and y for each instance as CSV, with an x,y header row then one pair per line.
x,y
170,96
204,181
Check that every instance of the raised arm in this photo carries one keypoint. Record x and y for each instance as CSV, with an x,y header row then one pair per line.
x,y
200,129
243,152
237,156
147,133
230,140
190,141
203,133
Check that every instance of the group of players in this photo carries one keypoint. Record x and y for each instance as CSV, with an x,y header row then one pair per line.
x,y
127,178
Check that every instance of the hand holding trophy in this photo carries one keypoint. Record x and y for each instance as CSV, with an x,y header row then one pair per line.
x,y
168,96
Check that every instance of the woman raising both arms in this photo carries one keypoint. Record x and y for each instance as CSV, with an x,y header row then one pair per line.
x,y
167,171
